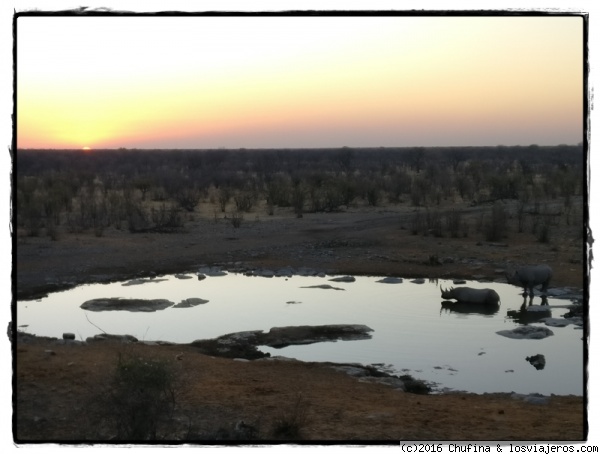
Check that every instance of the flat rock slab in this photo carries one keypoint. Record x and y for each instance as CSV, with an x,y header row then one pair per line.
x,y
190,302
124,338
211,271
244,344
131,305
539,308
141,281
343,279
537,399
527,332
324,286
299,335
391,280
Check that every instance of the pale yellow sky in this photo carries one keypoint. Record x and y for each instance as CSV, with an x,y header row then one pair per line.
x,y
204,82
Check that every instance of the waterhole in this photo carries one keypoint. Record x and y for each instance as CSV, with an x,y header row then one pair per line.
x,y
413,333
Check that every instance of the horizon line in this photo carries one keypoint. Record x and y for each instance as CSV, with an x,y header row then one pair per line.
x,y
342,147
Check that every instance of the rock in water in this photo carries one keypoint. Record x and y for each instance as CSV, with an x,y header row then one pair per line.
x,y
538,361
343,279
131,305
391,280
527,332
190,302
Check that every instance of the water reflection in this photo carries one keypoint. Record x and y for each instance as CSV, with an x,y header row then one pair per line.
x,y
459,350
530,313
469,308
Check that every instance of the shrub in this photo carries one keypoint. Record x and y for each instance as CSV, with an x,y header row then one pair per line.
x,y
224,196
141,397
414,385
188,199
166,219
289,423
453,222
237,219
417,223
244,201
434,223
496,226
542,231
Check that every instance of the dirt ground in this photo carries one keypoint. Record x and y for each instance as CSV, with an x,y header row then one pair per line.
x,y
53,382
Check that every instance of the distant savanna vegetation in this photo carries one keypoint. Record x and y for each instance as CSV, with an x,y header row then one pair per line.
x,y
520,188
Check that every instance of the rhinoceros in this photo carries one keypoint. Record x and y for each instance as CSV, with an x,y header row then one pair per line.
x,y
472,295
528,277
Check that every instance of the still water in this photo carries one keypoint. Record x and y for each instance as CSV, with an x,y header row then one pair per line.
x,y
412,333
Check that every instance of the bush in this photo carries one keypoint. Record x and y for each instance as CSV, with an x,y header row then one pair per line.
x,y
188,199
434,223
496,226
414,385
289,423
417,223
542,231
237,219
141,397
453,222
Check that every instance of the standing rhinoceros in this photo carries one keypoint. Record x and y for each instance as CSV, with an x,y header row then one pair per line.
x,y
528,277
472,295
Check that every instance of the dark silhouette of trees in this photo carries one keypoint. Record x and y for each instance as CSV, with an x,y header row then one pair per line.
x,y
147,190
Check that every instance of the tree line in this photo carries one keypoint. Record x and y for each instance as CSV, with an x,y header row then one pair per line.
x,y
152,190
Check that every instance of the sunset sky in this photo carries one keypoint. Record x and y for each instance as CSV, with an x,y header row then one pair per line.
x,y
302,81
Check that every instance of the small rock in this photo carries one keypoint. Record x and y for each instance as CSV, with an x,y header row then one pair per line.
x,y
70,336
556,322
391,280
352,371
532,398
527,332
190,302
324,286
538,361
343,279
211,271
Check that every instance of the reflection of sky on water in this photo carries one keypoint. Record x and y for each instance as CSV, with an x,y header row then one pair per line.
x,y
411,332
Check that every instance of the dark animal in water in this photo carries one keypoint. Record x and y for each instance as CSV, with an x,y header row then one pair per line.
x,y
472,295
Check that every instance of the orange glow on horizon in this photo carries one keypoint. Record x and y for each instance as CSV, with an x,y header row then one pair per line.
x,y
355,81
